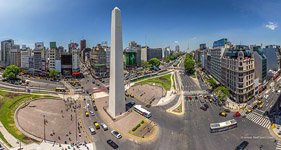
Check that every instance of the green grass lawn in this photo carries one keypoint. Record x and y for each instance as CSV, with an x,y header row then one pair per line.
x,y
4,140
9,103
163,81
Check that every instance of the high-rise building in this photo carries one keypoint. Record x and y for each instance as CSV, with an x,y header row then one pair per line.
x,y
15,57
148,53
133,54
75,61
260,64
273,53
6,46
52,55
117,91
66,64
72,46
83,44
237,65
98,61
25,55
37,60
177,48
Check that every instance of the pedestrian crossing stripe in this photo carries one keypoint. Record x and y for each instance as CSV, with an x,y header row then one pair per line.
x,y
262,121
278,145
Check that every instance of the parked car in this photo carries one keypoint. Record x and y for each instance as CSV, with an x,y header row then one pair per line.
x,y
249,111
112,144
223,114
116,134
242,145
92,130
95,107
87,113
203,108
237,114
256,106
227,110
206,105
104,126
92,113
96,124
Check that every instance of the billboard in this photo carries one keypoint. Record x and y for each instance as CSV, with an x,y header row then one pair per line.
x,y
130,58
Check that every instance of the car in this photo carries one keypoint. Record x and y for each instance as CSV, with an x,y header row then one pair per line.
x,y
203,108
92,113
95,107
242,145
260,106
92,130
256,106
211,101
116,134
259,102
87,113
227,110
279,91
237,114
249,111
279,133
206,105
223,114
96,124
104,126
130,105
266,96
112,144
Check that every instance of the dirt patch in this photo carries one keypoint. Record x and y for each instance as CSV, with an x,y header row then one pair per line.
x,y
146,93
54,120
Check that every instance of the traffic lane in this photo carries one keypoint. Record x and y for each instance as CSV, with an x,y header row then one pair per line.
x,y
198,122
271,101
188,84
101,136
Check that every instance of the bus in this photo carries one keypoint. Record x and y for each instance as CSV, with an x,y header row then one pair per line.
x,y
142,111
59,89
223,126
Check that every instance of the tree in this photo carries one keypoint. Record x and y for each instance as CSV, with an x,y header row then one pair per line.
x,y
145,64
222,93
154,62
11,72
189,65
53,73
212,82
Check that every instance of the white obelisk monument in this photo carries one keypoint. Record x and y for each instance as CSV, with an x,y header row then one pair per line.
x,y
116,92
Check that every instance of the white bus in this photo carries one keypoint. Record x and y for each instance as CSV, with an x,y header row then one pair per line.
x,y
223,126
142,111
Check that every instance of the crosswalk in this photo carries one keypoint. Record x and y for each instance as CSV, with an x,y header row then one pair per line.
x,y
278,145
260,120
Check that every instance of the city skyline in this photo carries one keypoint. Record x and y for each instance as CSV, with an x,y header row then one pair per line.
x,y
157,24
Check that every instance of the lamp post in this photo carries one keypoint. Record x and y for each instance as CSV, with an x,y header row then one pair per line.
x,y
44,127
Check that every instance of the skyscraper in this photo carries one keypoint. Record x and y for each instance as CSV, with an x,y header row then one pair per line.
x,y
82,44
6,47
117,91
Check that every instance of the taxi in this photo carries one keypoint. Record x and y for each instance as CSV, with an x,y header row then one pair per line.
x,y
87,113
223,114
259,101
260,106
249,111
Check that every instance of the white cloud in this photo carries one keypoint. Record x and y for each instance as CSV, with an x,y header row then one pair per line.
x,y
271,25
176,42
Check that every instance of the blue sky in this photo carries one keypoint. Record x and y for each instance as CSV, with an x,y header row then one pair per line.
x,y
157,23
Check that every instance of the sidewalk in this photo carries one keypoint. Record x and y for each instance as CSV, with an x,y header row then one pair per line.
x,y
54,146
10,138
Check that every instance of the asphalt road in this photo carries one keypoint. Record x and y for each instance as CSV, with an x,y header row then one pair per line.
x,y
188,83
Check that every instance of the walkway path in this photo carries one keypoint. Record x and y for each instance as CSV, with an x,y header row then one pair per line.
x,y
10,138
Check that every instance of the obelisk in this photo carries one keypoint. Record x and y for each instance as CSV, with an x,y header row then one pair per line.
x,y
116,92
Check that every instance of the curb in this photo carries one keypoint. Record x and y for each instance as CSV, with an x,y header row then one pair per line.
x,y
180,101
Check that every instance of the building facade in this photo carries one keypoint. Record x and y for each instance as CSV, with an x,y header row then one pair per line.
x,y
238,72
25,55
260,64
15,57
98,61
75,61
148,53
6,47
52,56
272,52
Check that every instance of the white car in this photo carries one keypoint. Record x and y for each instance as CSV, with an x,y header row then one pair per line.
x,y
104,126
92,113
279,91
116,134
265,96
